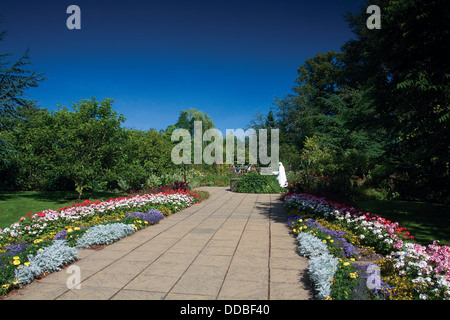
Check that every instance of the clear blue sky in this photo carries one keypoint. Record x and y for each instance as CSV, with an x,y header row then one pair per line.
x,y
155,58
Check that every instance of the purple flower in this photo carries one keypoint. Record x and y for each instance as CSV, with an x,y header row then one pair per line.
x,y
15,249
362,291
61,235
153,216
292,220
338,238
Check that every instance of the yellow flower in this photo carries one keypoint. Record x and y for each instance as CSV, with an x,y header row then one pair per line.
x,y
353,275
26,264
352,259
6,286
146,222
16,262
329,298
301,220
37,241
41,249
15,282
324,241
346,264
76,228
69,230
16,258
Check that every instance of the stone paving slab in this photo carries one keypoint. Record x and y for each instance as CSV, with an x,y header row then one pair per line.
x,y
231,246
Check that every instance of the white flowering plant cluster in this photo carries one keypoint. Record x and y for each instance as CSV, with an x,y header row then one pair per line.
x,y
428,267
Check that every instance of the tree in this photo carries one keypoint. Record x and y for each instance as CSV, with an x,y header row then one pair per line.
x,y
188,117
318,79
384,98
186,120
144,153
15,80
28,167
267,122
86,142
404,71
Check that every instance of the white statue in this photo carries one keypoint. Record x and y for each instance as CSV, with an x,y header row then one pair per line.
x,y
281,175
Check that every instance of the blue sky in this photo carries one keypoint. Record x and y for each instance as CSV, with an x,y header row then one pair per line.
x,y
155,58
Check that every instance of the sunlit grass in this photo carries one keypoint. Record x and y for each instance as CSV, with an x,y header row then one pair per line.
x,y
14,205
425,221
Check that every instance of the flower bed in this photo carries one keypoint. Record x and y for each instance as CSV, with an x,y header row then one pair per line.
x,y
407,270
27,246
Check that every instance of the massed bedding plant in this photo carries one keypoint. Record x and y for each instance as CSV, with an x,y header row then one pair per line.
x,y
58,233
420,272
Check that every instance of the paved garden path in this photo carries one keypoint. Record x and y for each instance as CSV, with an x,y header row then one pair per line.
x,y
231,246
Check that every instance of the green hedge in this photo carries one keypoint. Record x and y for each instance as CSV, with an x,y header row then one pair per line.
x,y
256,183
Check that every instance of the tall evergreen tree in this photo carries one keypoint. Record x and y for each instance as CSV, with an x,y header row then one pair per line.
x,y
15,80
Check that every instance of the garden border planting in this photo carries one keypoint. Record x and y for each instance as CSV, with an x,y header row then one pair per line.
x,y
46,241
405,270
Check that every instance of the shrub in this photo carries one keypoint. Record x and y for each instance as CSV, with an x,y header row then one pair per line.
x,y
256,183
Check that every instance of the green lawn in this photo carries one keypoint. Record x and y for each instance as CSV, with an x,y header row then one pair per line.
x,y
14,205
425,221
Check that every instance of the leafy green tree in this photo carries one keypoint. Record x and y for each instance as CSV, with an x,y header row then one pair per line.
x,y
145,153
188,117
318,79
384,98
404,70
28,167
86,143
186,120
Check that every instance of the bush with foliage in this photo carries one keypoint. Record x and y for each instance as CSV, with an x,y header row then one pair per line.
x,y
257,183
